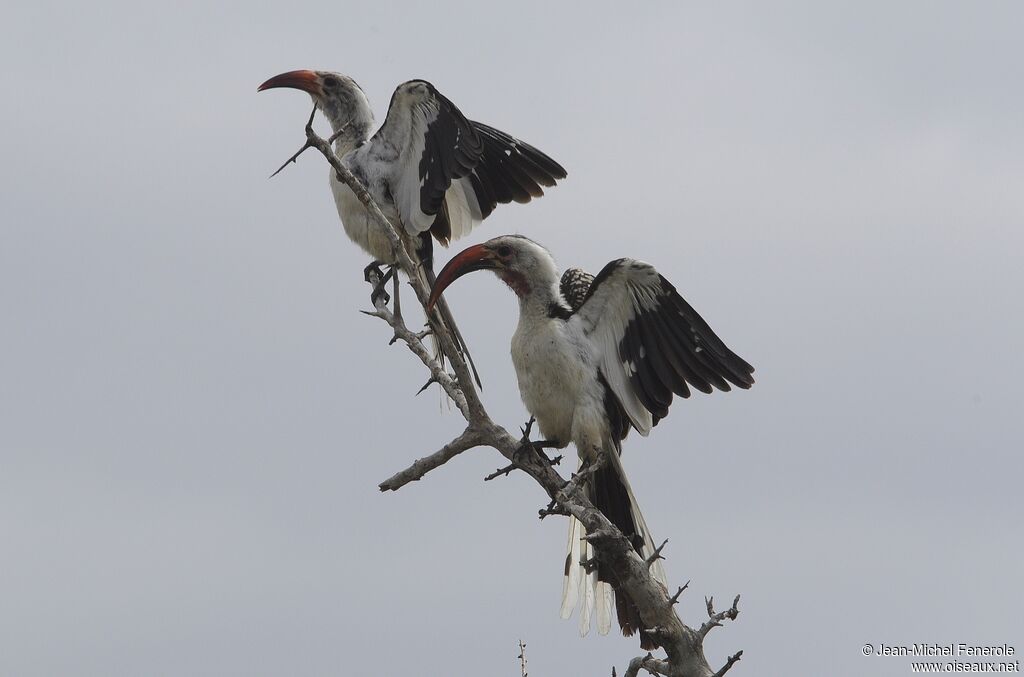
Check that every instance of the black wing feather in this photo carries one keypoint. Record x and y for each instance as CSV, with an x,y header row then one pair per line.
x,y
510,170
665,358
713,350
451,149
524,155
681,358
697,372
438,145
666,346
643,379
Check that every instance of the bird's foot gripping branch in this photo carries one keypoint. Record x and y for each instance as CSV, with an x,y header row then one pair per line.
x,y
683,645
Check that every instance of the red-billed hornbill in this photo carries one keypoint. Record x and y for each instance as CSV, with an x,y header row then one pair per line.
x,y
595,356
428,167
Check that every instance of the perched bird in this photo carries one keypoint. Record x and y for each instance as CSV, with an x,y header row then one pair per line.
x,y
595,356
431,170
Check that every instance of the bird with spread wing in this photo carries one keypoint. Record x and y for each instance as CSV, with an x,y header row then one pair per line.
x,y
594,357
432,171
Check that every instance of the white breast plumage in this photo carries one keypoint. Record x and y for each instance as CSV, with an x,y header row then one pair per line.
x,y
550,376
359,225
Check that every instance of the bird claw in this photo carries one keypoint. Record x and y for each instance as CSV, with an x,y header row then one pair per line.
x,y
370,270
378,278
539,446
379,293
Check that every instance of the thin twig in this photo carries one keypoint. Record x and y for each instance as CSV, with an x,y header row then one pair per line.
x,y
553,508
656,555
415,344
501,472
715,619
675,598
504,471
728,664
464,442
306,146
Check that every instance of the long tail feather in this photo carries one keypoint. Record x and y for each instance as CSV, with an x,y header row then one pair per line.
x,y
593,592
449,323
425,254
648,548
573,571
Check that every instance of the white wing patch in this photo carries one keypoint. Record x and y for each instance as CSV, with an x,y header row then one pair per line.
x,y
604,316
401,146
463,210
415,109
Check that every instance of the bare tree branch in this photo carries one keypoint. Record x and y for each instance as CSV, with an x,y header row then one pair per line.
x,y
648,663
553,508
414,341
464,442
715,619
683,645
675,598
306,146
656,555
504,472
728,664
500,472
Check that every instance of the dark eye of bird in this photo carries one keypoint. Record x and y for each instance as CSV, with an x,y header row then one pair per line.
x,y
504,251
331,82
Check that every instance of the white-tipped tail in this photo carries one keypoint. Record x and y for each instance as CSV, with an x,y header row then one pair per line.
x,y
581,589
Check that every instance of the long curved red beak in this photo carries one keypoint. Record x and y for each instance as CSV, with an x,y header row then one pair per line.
x,y
307,81
477,257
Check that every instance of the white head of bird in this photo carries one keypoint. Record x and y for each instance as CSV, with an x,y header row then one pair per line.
x,y
525,266
338,97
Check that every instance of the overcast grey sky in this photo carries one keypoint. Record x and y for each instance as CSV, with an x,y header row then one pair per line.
x,y
194,417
